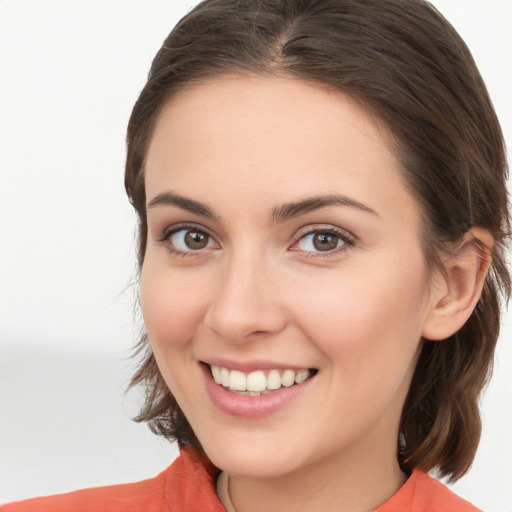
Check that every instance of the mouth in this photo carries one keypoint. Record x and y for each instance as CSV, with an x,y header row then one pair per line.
x,y
259,382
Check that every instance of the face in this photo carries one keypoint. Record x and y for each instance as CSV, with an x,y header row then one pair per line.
x,y
284,289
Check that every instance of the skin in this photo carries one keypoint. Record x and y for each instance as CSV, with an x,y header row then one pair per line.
x,y
260,291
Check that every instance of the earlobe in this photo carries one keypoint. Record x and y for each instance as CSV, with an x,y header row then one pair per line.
x,y
457,287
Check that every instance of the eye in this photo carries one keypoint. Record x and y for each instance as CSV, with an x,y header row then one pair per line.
x,y
324,241
187,239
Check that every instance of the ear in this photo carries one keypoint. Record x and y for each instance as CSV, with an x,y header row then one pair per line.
x,y
456,291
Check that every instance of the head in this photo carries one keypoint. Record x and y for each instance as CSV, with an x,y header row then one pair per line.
x,y
402,64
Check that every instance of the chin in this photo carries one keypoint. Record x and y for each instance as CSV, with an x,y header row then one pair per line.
x,y
252,459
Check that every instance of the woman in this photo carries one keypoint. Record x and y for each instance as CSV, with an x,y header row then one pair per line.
x,y
320,190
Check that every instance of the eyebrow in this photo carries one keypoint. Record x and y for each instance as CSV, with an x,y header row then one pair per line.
x,y
171,199
296,208
280,213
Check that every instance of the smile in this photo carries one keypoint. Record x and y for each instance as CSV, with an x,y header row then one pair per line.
x,y
259,382
252,391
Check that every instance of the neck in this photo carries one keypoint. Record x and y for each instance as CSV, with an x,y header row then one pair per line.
x,y
355,484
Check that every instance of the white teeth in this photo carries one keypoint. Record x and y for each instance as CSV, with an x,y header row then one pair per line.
x,y
224,376
216,374
288,378
301,376
237,381
273,380
257,383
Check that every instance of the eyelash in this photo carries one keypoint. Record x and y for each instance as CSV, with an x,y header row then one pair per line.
x,y
347,240
172,230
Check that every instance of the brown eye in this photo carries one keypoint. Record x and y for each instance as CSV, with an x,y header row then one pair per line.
x,y
188,240
196,240
325,241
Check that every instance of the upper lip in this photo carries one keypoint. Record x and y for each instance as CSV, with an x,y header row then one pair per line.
x,y
253,365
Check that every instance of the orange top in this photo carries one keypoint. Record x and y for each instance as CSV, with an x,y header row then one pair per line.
x,y
188,485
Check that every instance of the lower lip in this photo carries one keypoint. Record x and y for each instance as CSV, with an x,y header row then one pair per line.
x,y
251,406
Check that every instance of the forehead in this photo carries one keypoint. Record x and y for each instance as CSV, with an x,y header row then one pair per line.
x,y
269,137
264,104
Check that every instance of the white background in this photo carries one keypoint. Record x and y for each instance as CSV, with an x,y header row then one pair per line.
x,y
70,72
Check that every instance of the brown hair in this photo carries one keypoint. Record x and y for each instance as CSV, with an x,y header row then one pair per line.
x,y
406,64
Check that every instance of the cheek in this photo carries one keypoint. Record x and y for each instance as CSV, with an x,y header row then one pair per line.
x,y
172,306
366,317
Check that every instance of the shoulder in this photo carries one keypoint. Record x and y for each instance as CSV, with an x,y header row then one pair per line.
x,y
188,482
423,493
144,495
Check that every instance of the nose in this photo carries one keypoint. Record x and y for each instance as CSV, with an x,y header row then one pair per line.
x,y
245,303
